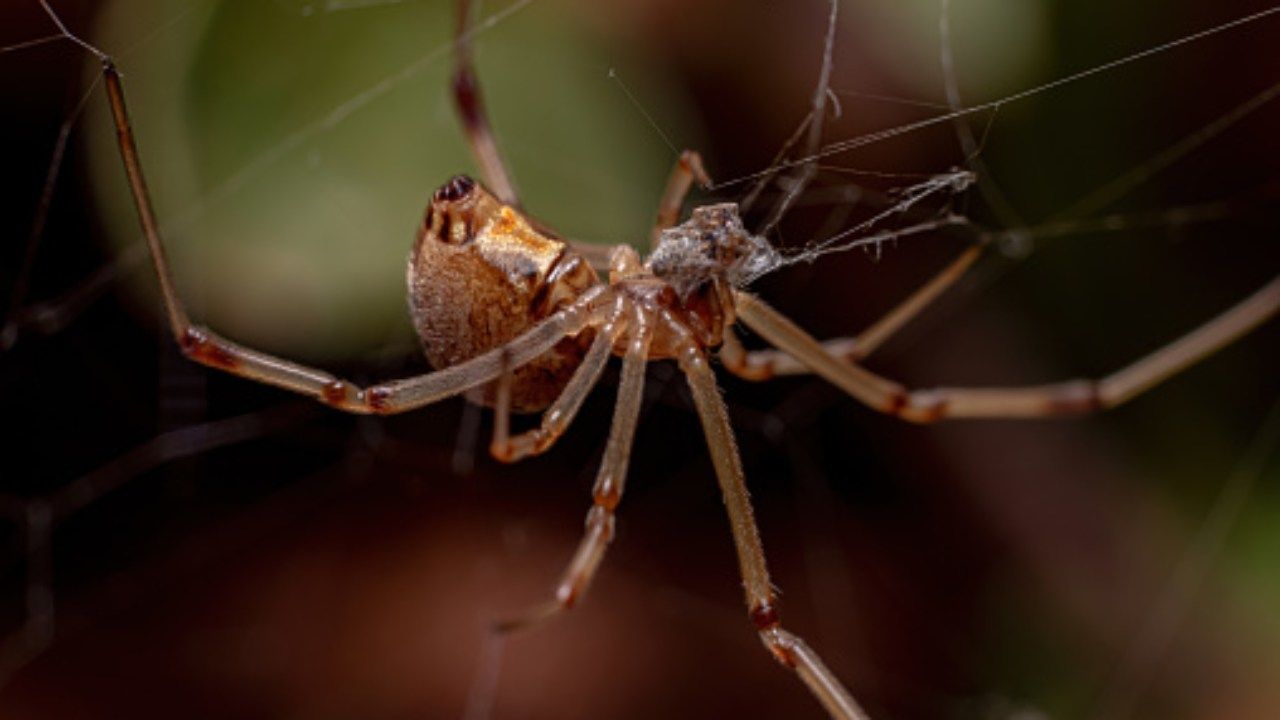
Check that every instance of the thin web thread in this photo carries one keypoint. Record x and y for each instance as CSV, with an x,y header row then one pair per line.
x,y
870,138
958,182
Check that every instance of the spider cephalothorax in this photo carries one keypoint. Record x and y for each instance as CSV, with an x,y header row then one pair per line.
x,y
711,246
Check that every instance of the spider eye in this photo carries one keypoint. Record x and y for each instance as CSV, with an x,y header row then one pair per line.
x,y
458,187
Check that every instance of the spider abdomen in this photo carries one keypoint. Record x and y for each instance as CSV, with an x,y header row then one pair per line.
x,y
480,275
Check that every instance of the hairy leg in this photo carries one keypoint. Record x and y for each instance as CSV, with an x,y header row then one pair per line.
x,y
765,364
207,347
469,99
787,648
556,419
609,484
1065,398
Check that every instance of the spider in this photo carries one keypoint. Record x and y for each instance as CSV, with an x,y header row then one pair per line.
x,y
519,319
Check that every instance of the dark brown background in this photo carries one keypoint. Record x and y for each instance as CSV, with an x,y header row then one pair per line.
x,y
325,566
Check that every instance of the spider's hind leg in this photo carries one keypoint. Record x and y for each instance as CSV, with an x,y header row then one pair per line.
x,y
608,486
469,99
1072,397
786,647
208,348
761,365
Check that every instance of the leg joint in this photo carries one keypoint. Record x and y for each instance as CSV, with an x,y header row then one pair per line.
x,y
207,349
921,406
1076,398
377,399
781,644
764,616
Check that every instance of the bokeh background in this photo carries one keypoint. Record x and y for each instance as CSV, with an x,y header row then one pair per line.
x,y
195,545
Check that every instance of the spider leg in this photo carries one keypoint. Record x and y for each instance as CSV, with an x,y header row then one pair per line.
x,y
596,254
786,647
469,100
1065,398
765,364
557,418
808,165
608,487
623,262
688,168
206,347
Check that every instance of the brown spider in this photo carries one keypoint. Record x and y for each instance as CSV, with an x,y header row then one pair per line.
x,y
518,319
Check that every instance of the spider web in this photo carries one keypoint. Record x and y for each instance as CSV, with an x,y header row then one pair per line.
x,y
868,194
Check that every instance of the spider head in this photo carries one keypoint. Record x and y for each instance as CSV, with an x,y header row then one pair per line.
x,y
711,247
